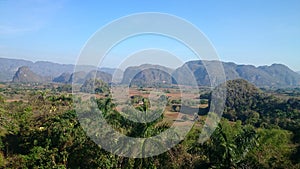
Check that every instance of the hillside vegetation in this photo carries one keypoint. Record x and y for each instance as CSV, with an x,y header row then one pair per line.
x,y
40,129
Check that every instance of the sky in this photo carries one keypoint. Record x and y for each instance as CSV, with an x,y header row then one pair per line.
x,y
258,32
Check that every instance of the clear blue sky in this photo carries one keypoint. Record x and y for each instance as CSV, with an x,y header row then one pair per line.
x,y
259,32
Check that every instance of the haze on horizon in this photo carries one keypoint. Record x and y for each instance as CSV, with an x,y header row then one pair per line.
x,y
249,32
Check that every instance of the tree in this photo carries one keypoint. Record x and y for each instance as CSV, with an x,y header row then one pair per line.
x,y
229,145
274,149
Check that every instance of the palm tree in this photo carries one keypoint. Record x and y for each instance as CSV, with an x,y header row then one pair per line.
x,y
228,146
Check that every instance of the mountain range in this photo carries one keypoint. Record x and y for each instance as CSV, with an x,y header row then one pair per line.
x,y
8,68
17,70
25,75
276,75
147,74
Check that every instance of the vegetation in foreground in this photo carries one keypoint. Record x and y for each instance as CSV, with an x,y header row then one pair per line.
x,y
40,129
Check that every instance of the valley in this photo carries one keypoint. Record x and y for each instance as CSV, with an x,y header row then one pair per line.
x,y
263,124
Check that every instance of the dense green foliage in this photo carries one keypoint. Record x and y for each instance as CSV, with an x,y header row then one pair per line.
x,y
42,131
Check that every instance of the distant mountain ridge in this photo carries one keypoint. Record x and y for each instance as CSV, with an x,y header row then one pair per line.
x,y
134,72
25,75
8,68
275,75
151,77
